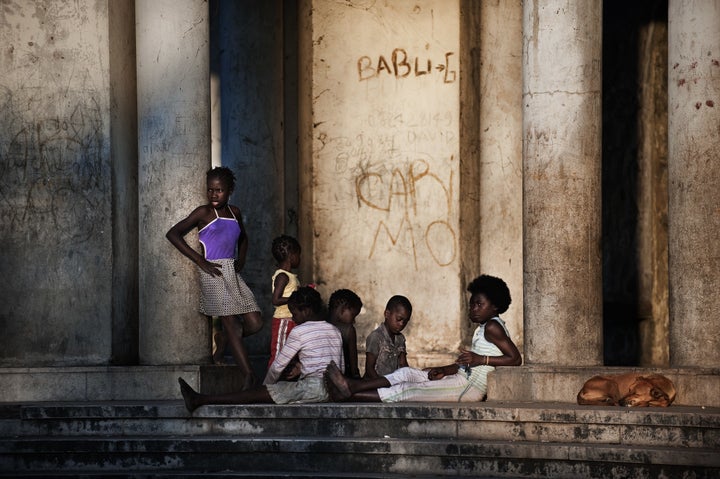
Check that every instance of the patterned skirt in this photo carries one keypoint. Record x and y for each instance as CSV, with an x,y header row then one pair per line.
x,y
225,295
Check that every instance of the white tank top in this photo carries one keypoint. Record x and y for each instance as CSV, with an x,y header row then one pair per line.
x,y
480,345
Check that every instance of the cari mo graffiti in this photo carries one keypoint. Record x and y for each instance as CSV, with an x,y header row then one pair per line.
x,y
395,192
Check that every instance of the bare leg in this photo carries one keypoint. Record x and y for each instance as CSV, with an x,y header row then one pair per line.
x,y
341,388
365,396
233,334
362,396
220,344
252,323
194,399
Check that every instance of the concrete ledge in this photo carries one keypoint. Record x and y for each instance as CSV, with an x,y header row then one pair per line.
x,y
108,383
696,387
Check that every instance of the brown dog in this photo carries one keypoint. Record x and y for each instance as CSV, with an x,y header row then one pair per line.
x,y
629,389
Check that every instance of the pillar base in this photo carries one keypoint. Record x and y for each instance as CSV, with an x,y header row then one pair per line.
x,y
695,387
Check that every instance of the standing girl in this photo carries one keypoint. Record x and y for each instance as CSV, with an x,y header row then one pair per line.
x,y
224,241
286,251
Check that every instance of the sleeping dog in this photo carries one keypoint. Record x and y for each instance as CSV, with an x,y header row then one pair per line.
x,y
629,389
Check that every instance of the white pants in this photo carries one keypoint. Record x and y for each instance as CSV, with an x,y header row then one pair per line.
x,y
410,384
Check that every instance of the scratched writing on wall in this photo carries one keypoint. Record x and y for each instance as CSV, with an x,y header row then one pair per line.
x,y
53,177
414,205
401,64
402,167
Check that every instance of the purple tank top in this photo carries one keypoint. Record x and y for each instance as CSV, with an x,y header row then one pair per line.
x,y
219,237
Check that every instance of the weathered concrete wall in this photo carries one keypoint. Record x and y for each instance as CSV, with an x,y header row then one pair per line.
x,y
381,108
693,172
249,66
500,136
173,85
55,184
469,168
562,68
124,166
653,195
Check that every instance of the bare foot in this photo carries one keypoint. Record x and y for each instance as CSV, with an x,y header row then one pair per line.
x,y
333,392
338,381
189,395
249,382
220,344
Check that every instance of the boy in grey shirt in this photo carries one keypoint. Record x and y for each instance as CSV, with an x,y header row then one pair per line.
x,y
385,347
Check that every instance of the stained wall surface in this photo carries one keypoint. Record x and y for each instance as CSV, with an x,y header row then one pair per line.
x,y
405,176
382,135
693,172
500,143
55,184
173,76
248,63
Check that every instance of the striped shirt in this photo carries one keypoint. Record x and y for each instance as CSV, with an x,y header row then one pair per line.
x,y
482,346
316,343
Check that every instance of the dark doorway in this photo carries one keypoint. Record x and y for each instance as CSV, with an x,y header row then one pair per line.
x,y
624,51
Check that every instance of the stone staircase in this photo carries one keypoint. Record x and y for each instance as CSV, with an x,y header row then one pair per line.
x,y
499,439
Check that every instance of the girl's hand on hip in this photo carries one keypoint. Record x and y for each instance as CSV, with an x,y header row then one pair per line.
x,y
213,269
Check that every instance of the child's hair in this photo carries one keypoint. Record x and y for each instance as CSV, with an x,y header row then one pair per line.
x,y
494,289
398,300
282,246
222,173
306,297
344,297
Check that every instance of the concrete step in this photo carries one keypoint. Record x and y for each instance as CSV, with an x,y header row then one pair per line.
x,y
353,455
490,439
511,421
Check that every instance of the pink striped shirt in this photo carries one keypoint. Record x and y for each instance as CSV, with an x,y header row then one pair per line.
x,y
316,343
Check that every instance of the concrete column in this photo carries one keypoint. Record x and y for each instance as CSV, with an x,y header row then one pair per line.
x,y
124,151
173,83
56,185
652,253
562,187
500,137
694,188
380,143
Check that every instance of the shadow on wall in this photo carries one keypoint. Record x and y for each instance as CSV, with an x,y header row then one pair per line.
x,y
622,55
621,338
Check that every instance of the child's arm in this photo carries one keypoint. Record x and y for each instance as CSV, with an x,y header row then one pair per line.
x,y
402,351
442,371
281,280
291,348
176,236
402,360
496,335
243,241
372,351
352,366
370,361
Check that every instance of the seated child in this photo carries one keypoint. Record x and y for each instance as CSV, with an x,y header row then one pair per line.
x,y
343,308
464,380
385,347
316,344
